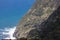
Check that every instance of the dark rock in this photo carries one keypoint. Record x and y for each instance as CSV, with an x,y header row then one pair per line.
x,y
50,29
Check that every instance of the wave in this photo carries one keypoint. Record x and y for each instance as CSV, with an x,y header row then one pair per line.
x,y
7,33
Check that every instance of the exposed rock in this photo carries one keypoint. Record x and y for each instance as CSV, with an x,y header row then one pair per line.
x,y
42,21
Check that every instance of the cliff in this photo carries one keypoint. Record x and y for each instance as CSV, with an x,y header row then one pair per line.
x,y
41,22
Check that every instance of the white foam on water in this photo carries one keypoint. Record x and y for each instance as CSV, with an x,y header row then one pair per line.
x,y
8,32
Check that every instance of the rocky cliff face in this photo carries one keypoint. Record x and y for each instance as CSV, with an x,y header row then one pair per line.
x,y
42,22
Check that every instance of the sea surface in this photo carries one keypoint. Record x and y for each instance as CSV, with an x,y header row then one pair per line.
x,y
11,12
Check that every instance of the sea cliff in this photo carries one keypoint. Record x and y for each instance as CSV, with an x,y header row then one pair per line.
x,y
41,22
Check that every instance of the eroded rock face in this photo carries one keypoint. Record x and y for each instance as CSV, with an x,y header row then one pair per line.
x,y
42,21
50,29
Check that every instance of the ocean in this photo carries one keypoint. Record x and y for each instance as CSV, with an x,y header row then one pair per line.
x,y
11,12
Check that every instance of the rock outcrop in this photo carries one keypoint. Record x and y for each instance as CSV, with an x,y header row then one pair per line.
x,y
42,22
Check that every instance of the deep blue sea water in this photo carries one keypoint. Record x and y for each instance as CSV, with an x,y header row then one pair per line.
x,y
11,11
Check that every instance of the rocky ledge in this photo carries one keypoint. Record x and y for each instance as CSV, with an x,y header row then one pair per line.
x,y
41,22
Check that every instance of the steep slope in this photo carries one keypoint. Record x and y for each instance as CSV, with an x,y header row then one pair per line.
x,y
41,22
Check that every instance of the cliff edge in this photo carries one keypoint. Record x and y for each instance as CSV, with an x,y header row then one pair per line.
x,y
41,22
